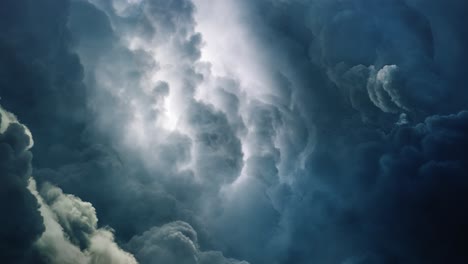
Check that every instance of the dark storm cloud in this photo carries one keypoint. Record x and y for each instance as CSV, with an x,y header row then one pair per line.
x,y
343,38
149,173
116,74
421,186
254,204
144,204
43,84
50,227
219,154
372,191
41,77
352,151
384,198
21,223
176,242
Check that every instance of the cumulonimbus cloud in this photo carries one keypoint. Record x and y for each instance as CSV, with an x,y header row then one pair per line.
x,y
273,131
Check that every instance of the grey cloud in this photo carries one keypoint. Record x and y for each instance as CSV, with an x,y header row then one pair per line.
x,y
113,74
381,87
155,174
42,81
145,202
71,234
21,223
218,157
77,218
115,87
341,35
175,242
348,43
55,231
348,153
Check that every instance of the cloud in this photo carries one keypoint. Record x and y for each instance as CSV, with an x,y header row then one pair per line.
x,y
47,227
271,131
71,234
339,61
168,160
21,223
175,242
382,92
42,77
218,154
421,179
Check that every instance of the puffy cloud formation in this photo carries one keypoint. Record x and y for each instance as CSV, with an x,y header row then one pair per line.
x,y
365,75
269,131
71,234
21,222
175,242
50,227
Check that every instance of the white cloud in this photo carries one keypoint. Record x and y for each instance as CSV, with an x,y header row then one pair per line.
x,y
65,216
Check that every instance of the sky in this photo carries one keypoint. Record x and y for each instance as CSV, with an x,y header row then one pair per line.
x,y
233,131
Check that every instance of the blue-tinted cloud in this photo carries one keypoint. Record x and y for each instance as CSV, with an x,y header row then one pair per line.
x,y
268,131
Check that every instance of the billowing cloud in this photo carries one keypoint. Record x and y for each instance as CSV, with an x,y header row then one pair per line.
x,y
175,242
21,222
71,234
50,227
322,131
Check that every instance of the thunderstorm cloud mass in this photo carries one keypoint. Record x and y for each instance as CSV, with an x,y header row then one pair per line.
x,y
233,132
